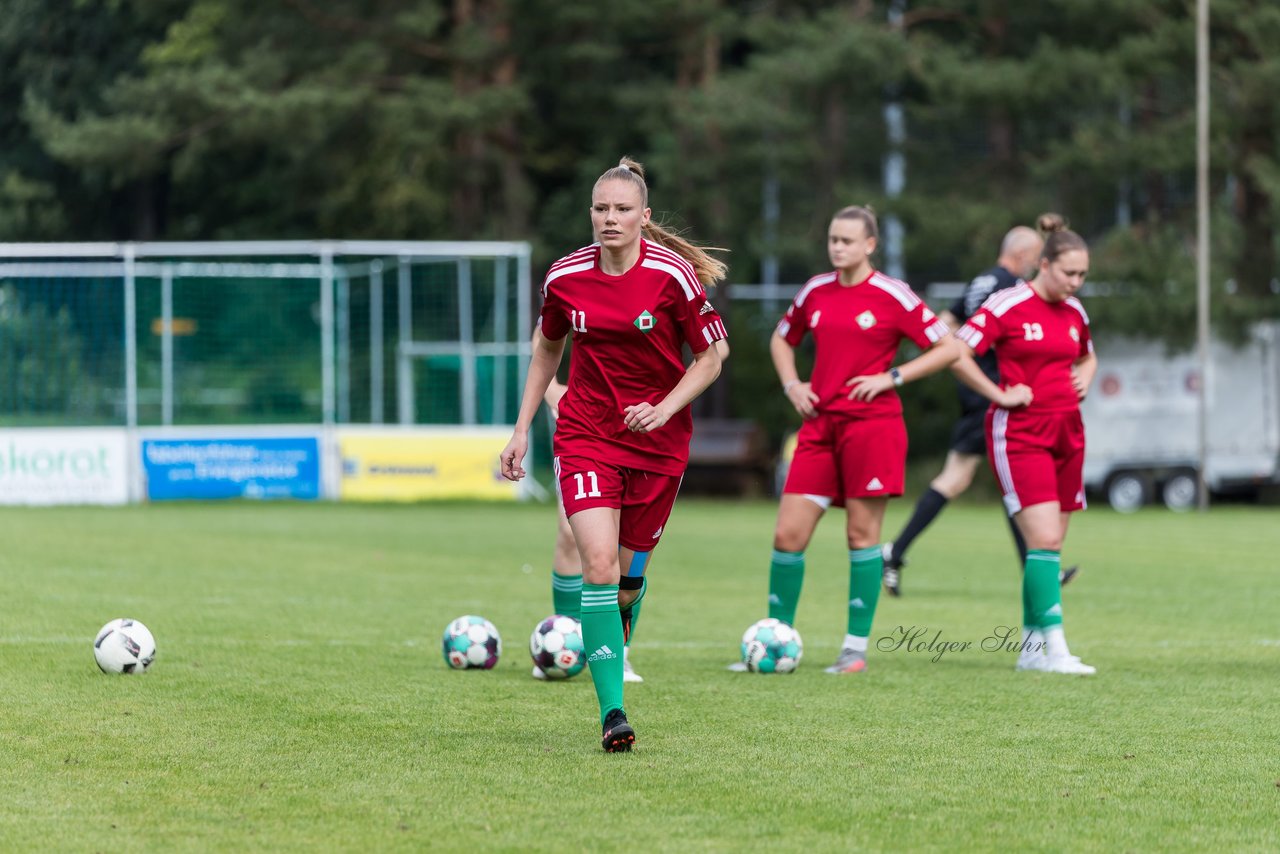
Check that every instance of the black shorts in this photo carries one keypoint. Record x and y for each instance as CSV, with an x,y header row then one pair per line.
x,y
969,435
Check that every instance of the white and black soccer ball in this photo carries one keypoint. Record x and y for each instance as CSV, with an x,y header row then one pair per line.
x,y
771,646
471,642
556,647
124,646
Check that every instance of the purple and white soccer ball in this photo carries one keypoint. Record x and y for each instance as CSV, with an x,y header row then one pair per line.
x,y
556,647
124,646
471,642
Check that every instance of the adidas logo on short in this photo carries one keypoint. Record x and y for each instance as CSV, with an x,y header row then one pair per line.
x,y
874,483
601,654
1055,611
857,603
775,599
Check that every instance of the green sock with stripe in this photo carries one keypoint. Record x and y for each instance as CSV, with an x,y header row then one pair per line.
x,y
566,594
865,568
1041,589
602,637
786,577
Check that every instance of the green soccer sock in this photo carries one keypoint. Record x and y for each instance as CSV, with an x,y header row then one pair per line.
x,y
602,636
865,568
631,613
786,577
1041,589
1029,619
566,594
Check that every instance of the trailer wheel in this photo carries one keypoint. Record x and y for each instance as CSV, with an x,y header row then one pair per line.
x,y
1180,491
1128,491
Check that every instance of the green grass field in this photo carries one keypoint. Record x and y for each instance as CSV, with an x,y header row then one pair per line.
x,y
300,701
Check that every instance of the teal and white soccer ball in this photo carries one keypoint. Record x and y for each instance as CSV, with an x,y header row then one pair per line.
x,y
556,647
471,642
124,646
771,646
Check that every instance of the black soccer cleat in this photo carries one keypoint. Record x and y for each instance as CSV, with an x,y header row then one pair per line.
x,y
1065,576
618,734
892,572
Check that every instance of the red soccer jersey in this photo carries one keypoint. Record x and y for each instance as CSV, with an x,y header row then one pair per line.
x,y
628,334
856,330
1036,343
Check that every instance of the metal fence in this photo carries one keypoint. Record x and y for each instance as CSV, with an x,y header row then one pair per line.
x,y
329,332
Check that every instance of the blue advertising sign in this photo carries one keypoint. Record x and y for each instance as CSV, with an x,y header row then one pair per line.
x,y
232,468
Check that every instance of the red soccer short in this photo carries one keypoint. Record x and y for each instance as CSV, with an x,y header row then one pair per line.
x,y
849,458
643,498
1037,458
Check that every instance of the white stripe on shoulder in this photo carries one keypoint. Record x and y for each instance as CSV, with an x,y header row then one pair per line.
x,y
675,272
564,271
658,251
574,262
1078,306
813,284
900,291
1001,301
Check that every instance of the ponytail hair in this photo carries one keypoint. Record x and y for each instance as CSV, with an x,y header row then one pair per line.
x,y
709,270
864,214
1058,239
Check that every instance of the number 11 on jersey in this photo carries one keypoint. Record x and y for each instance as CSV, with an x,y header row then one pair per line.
x,y
582,491
578,320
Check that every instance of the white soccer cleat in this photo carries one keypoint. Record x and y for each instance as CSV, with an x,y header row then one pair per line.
x,y
738,667
628,674
1068,664
538,673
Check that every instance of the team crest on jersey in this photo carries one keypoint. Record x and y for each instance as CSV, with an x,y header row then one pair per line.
x,y
866,320
1075,334
645,321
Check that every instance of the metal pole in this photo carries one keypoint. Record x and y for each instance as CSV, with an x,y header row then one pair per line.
x,y
1202,241
466,339
404,362
375,342
500,296
166,345
895,162
130,338
344,347
326,335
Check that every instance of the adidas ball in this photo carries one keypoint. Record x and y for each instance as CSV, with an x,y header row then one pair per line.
x,y
124,646
771,646
471,642
556,647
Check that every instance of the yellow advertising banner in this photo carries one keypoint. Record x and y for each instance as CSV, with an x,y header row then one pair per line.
x,y
417,465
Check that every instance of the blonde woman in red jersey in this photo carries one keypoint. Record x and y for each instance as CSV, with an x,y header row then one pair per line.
x,y
632,301
1035,435
852,445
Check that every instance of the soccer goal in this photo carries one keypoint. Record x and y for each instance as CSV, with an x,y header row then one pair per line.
x,y
329,332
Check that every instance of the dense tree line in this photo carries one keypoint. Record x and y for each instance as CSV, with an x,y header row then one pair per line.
x,y
460,119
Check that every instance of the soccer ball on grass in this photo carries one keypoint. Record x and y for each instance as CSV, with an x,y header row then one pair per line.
x,y
124,646
471,642
556,647
771,646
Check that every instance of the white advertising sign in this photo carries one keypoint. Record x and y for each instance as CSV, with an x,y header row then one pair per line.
x,y
66,466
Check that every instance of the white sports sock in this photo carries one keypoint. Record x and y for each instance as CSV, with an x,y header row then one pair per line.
x,y
855,643
1033,645
1056,642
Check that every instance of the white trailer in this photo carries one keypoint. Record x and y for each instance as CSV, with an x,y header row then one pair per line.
x,y
1141,421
